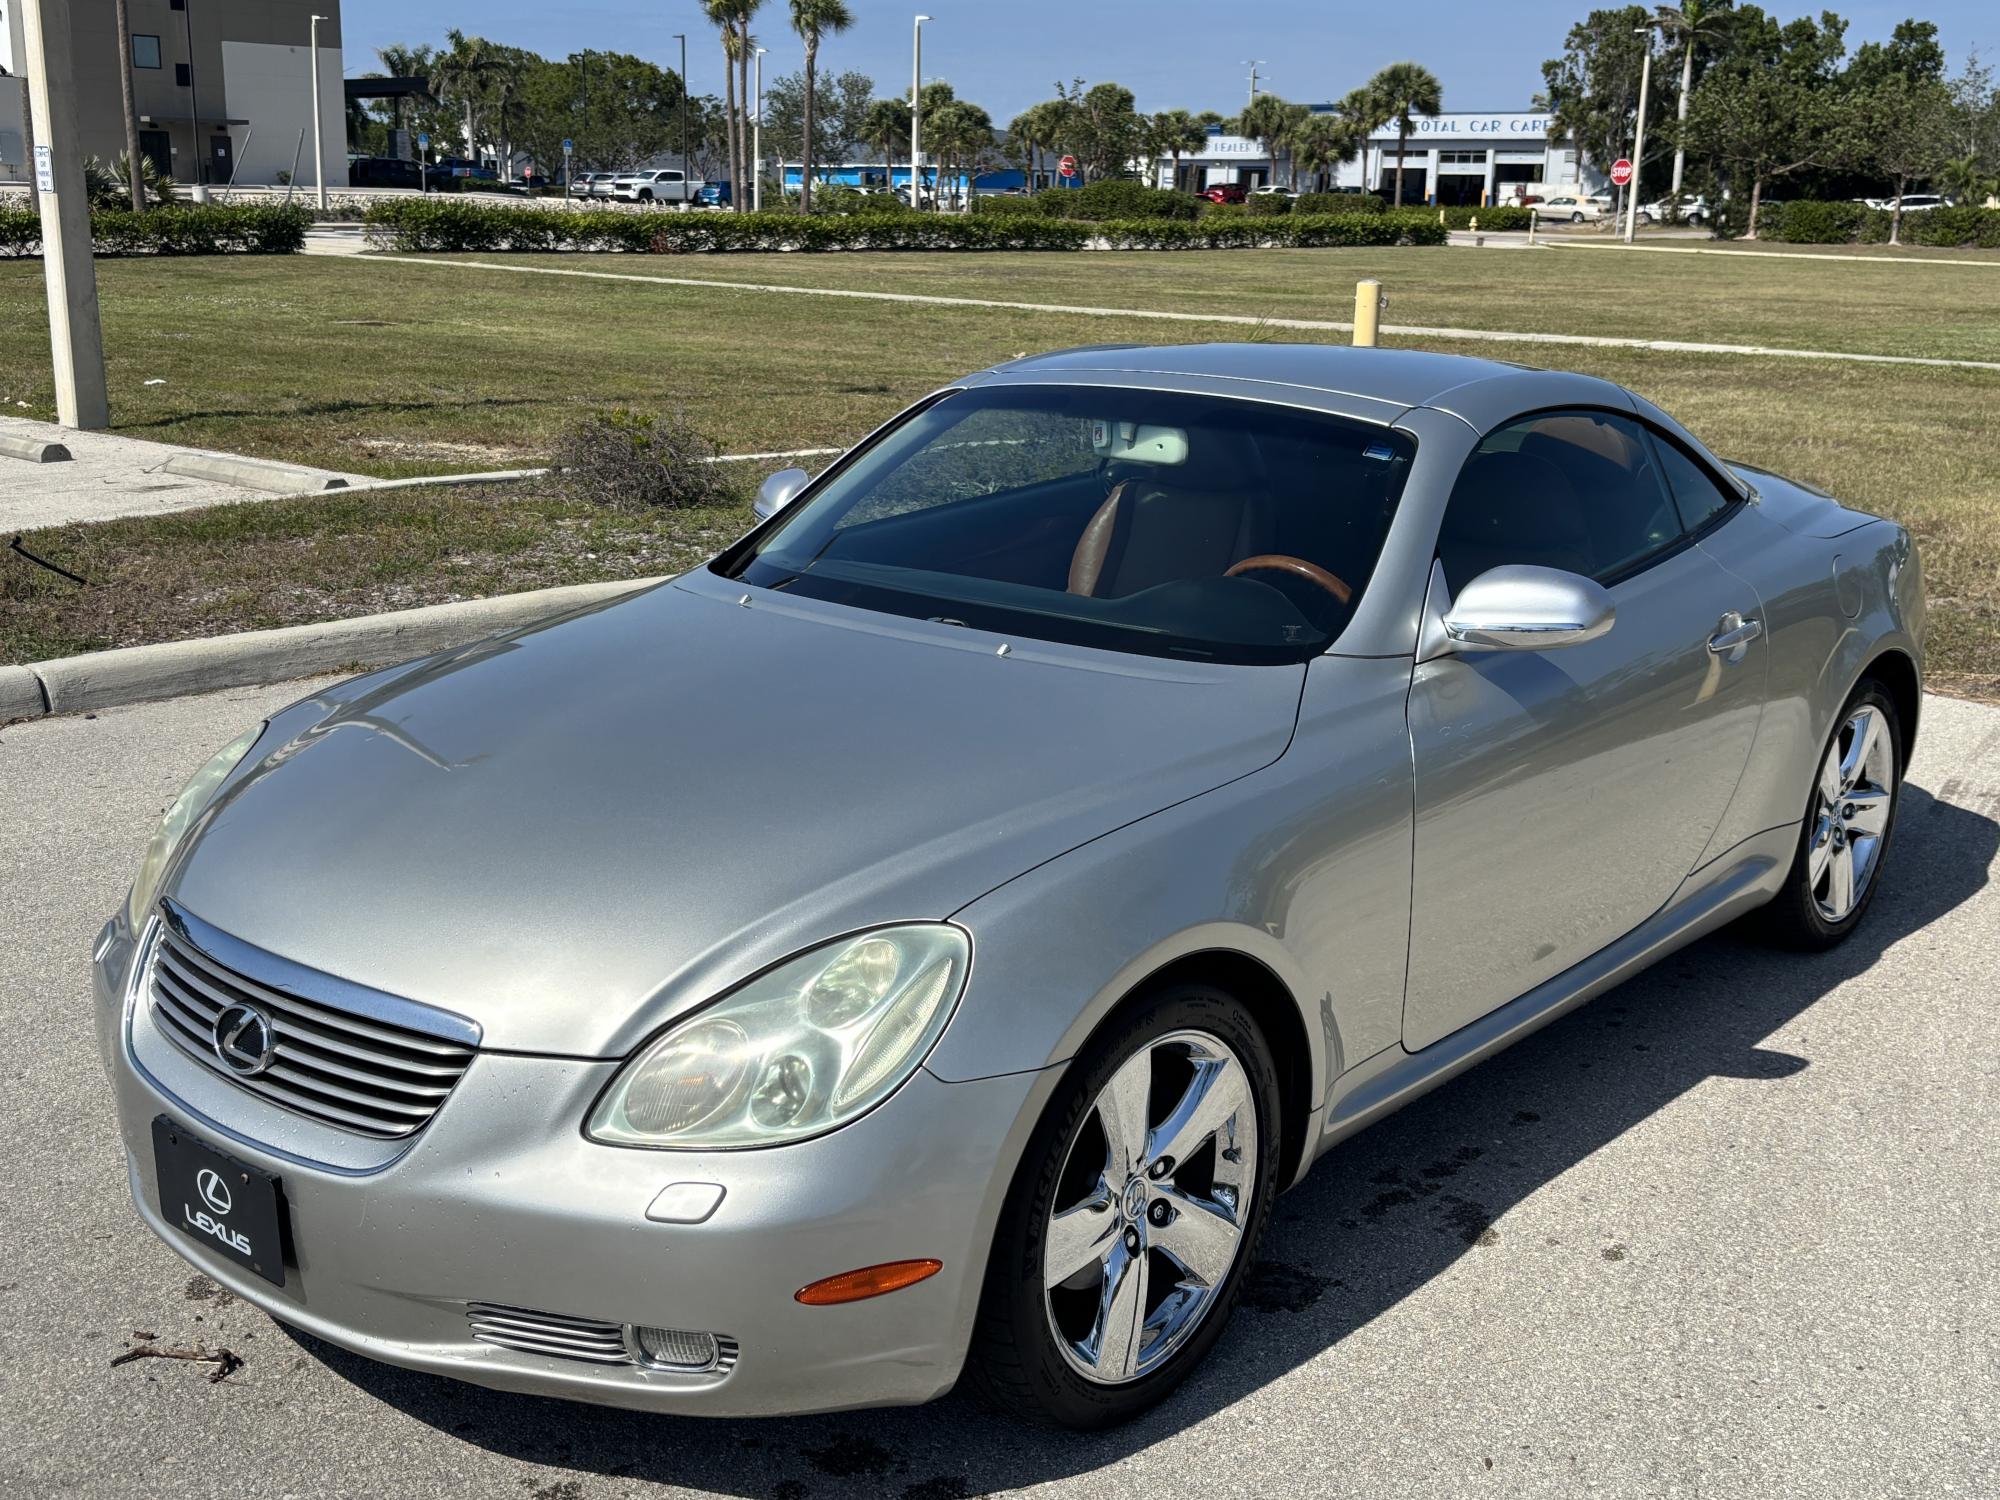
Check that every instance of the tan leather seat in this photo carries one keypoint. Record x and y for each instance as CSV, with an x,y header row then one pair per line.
x,y
1159,525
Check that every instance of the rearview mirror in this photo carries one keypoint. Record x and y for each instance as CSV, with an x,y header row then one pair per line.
x,y
779,491
1523,608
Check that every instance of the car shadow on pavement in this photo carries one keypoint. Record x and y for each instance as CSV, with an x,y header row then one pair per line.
x,y
1377,1220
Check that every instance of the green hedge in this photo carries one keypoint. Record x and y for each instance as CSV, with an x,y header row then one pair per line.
x,y
412,224
1266,206
1117,199
1339,203
1813,223
994,205
172,229
1492,216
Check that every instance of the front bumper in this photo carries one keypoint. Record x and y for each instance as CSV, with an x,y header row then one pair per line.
x,y
501,1199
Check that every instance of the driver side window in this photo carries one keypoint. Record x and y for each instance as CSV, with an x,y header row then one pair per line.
x,y
1575,490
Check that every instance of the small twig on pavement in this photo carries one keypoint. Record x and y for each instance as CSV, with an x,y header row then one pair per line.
x,y
226,1361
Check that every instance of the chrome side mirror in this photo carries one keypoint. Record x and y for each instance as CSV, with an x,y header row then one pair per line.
x,y
1523,608
779,491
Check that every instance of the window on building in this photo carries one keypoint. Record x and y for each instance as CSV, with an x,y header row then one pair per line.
x,y
177,4
1462,158
181,76
145,51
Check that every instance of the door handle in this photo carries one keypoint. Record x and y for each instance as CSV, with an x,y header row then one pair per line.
x,y
1734,636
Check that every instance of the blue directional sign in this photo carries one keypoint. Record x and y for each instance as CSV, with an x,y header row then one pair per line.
x,y
568,146
423,142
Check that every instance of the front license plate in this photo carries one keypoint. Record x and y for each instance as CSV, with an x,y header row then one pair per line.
x,y
230,1208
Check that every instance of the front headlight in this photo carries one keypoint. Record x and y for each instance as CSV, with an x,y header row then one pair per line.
x,y
817,1041
179,818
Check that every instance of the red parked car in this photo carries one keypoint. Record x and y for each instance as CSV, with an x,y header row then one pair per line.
x,y
1223,192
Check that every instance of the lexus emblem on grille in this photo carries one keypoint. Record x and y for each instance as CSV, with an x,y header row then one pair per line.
x,y
214,1191
244,1040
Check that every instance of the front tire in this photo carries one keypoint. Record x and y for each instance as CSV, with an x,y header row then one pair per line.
x,y
1849,818
1134,1216
1576,218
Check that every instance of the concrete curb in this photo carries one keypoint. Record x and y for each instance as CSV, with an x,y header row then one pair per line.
x,y
251,473
138,674
34,450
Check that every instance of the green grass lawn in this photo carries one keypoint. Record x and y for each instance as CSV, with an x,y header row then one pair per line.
x,y
399,369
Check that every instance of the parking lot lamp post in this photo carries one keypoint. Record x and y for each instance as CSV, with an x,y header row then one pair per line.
x,y
681,37
1639,136
757,141
917,113
319,152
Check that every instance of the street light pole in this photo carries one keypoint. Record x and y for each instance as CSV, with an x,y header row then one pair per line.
x,y
757,141
76,340
681,37
917,113
1639,136
1253,66
319,151
194,102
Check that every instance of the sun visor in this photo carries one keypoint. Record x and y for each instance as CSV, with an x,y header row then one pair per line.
x,y
1135,442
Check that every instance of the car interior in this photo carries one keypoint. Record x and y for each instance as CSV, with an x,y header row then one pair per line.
x,y
1211,528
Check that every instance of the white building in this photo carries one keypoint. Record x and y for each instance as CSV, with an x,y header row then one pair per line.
x,y
1465,157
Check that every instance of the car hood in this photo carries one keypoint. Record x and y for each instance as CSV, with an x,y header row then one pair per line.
x,y
575,832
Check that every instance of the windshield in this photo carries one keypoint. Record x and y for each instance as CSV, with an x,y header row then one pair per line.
x,y
1146,521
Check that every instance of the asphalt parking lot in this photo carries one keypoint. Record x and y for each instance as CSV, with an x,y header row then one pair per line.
x,y
1727,1231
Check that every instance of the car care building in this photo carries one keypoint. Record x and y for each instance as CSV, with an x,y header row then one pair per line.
x,y
1464,157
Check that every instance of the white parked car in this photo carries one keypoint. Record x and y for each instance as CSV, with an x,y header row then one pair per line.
x,y
1573,208
1692,210
1272,192
656,185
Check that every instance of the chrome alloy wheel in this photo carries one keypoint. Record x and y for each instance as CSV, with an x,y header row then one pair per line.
x,y
1850,817
1150,1207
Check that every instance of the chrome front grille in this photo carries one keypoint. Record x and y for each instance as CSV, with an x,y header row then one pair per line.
x,y
359,1073
585,1339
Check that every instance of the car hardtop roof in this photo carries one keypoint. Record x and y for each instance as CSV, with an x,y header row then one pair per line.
x,y
1400,377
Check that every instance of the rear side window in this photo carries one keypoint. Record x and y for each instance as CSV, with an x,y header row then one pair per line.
x,y
1575,490
1700,498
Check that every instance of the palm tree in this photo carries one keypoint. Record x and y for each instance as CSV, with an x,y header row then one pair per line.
x,y
722,15
1176,133
812,20
1695,22
1266,119
404,62
886,127
1323,142
465,70
1399,92
134,181
1963,180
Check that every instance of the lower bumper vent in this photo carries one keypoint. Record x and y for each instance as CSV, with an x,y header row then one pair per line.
x,y
593,1342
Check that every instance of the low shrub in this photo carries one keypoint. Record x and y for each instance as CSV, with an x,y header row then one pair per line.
x,y
414,225
628,460
1811,223
1266,206
172,229
1339,203
1115,198
1808,222
996,206
1492,216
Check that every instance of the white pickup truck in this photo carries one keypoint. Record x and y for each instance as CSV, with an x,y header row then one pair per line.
x,y
665,185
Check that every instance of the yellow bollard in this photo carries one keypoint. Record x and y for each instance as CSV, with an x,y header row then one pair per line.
x,y
1367,313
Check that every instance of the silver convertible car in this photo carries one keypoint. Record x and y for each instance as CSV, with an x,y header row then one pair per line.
x,y
922,941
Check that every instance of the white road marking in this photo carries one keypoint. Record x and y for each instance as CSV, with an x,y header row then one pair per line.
x,y
1313,325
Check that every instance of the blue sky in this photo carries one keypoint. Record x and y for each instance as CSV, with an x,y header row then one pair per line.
x,y
1171,53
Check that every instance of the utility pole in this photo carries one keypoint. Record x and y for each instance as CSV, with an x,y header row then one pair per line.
x,y
917,114
76,339
194,101
1253,66
757,141
319,153
1639,136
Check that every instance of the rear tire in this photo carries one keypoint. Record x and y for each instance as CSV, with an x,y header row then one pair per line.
x,y
1164,1239
1850,818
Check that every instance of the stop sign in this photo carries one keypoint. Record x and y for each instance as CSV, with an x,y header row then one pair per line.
x,y
1067,166
1621,171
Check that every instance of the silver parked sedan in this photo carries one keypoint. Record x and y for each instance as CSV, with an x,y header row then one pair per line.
x,y
925,939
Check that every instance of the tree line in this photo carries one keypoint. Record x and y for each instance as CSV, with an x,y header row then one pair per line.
x,y
1744,101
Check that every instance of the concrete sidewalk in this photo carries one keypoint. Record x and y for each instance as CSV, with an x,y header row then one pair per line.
x,y
110,475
